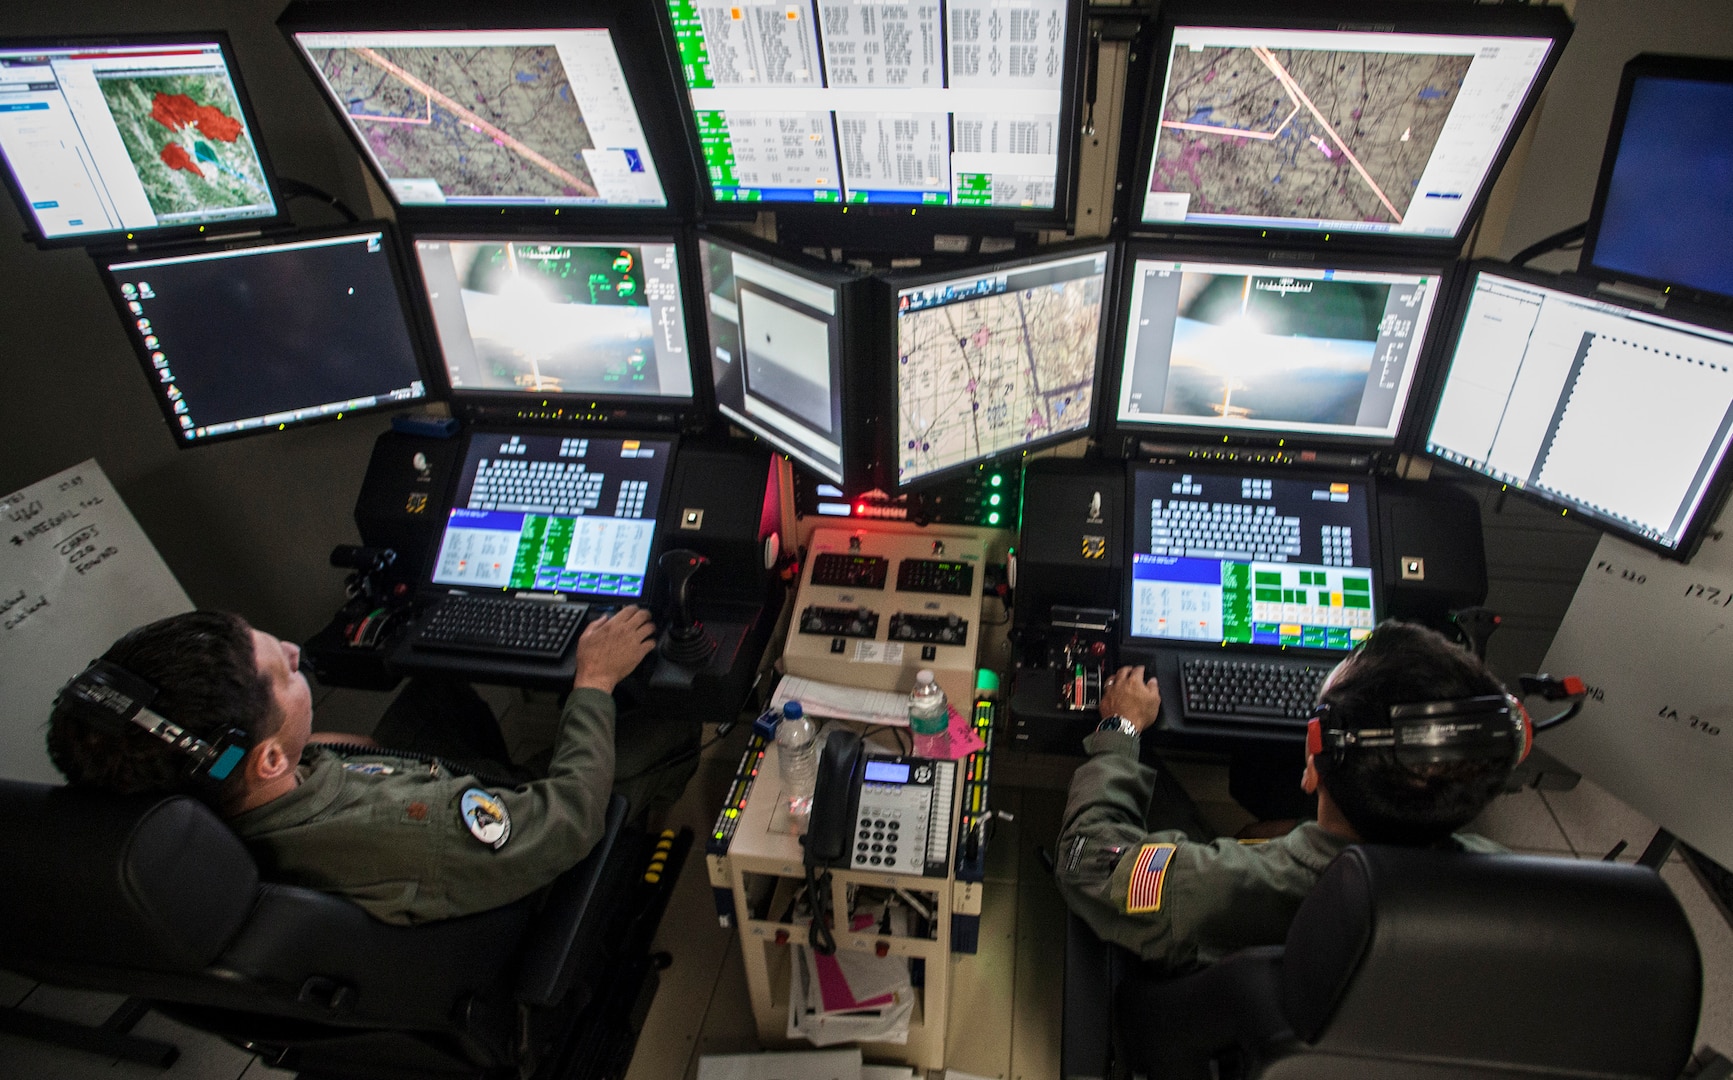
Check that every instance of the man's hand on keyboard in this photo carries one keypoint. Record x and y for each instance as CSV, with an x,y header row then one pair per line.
x,y
610,648
1129,694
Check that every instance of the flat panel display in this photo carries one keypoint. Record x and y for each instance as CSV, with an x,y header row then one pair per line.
x,y
548,316
1664,210
955,103
1376,130
264,337
1250,559
776,352
490,118
565,512
1617,414
1274,350
107,141
997,360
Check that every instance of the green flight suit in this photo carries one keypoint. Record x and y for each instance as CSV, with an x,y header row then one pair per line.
x,y
392,832
1209,898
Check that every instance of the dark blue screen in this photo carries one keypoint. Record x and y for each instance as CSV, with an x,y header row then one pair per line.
x,y
1669,208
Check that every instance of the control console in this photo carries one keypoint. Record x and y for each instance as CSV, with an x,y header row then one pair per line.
x,y
877,606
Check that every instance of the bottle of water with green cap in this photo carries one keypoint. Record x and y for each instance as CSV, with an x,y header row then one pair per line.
x,y
929,712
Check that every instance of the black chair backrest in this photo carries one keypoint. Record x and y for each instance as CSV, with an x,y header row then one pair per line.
x,y
1555,965
161,883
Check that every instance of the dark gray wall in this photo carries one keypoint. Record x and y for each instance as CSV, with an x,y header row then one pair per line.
x,y
245,525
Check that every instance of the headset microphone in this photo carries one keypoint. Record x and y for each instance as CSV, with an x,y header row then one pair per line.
x,y
107,696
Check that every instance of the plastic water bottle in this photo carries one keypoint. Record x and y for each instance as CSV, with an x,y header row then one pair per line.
x,y
929,712
797,758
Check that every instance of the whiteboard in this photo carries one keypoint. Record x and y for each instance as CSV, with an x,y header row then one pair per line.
x,y
1653,639
76,572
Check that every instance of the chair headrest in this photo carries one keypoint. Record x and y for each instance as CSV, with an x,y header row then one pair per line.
x,y
153,882
1554,963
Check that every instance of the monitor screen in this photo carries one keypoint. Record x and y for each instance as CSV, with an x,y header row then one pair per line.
x,y
1261,349
953,104
490,117
257,338
1334,130
1242,558
776,352
104,140
1665,207
1617,414
561,512
998,360
540,317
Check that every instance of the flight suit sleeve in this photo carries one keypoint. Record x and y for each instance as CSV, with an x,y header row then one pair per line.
x,y
503,843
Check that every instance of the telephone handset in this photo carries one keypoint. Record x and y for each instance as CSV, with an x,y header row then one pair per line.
x,y
835,800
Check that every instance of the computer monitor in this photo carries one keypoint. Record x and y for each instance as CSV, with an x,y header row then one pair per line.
x,y
1250,558
131,137
534,318
779,330
1664,208
996,360
1338,117
568,512
502,105
264,335
1325,351
1600,408
966,104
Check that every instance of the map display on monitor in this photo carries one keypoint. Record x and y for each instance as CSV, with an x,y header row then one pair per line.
x,y
491,117
1001,359
862,101
1334,130
128,138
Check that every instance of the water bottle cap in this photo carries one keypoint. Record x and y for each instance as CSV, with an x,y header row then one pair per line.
x,y
924,676
791,710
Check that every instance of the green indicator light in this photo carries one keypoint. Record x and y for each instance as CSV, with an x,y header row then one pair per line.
x,y
993,499
993,518
997,481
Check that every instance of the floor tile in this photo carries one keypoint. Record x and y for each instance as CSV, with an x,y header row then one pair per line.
x,y
258,1070
1039,965
14,988
202,1056
1594,820
1715,943
1522,821
353,712
983,989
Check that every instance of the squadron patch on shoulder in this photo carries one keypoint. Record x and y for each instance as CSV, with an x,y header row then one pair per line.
x,y
1148,873
369,768
486,817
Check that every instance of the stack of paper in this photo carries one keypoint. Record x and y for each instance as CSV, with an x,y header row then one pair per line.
x,y
850,996
843,702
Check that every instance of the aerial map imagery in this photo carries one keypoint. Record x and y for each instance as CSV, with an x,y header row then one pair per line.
x,y
1302,133
185,137
487,121
995,372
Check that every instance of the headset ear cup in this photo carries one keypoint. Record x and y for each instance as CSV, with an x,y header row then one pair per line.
x,y
1525,732
1314,737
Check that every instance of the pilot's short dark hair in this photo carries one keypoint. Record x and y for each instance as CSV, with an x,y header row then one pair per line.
x,y
1385,800
207,678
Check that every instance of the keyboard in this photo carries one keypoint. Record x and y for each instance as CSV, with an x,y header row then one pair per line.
x,y
1203,530
1256,691
531,629
536,487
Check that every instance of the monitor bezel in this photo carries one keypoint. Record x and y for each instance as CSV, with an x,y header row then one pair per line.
x,y
1657,66
1414,17
898,219
394,257
452,487
890,393
1128,545
854,298
107,241
1714,490
489,406
648,81
1441,265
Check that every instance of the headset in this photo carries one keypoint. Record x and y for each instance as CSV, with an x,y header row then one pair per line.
x,y
109,697
1488,727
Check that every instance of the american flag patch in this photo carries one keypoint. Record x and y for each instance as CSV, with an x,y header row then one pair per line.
x,y
1147,874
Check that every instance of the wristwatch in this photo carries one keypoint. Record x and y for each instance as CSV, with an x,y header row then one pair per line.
x,y
1118,723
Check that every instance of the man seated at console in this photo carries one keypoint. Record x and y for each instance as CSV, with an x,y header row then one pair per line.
x,y
1137,864
451,830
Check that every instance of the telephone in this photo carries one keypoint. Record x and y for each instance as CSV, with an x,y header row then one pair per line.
x,y
887,815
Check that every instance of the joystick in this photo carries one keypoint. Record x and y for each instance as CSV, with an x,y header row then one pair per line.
x,y
686,642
